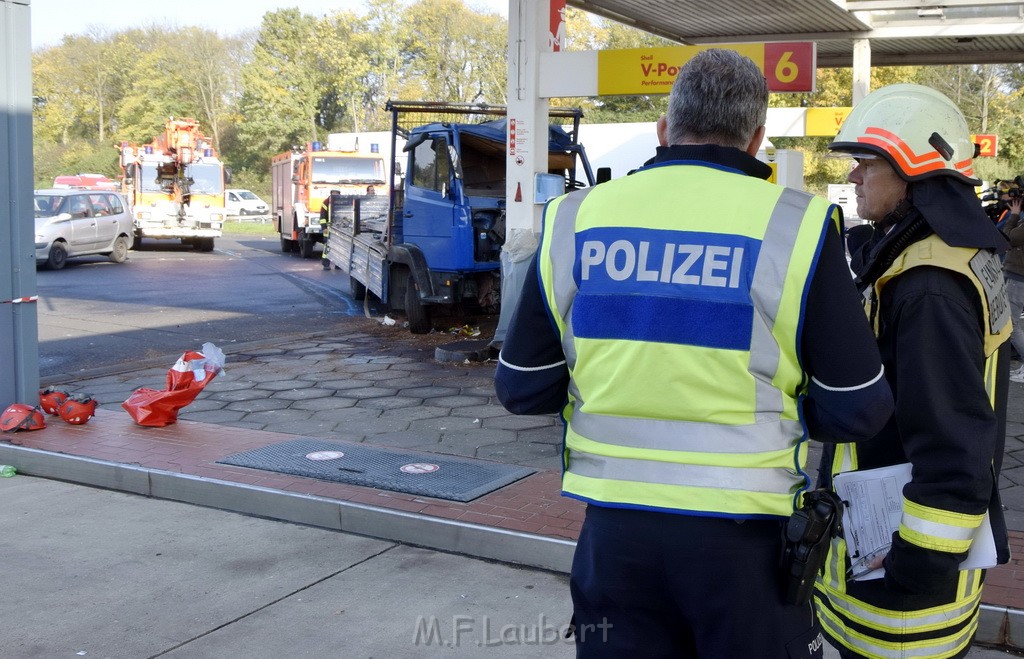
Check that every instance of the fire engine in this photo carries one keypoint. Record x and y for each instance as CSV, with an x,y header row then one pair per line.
x,y
175,186
303,178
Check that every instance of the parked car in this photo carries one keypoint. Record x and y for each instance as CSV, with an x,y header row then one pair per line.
x,y
72,222
244,203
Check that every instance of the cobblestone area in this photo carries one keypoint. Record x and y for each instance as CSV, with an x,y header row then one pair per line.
x,y
385,390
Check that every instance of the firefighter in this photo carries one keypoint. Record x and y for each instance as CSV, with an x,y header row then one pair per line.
x,y
328,212
930,272
684,321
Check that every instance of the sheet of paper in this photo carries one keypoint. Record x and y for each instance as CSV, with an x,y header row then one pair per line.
x,y
873,508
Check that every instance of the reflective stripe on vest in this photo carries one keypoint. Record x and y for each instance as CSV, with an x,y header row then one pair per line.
x,y
745,461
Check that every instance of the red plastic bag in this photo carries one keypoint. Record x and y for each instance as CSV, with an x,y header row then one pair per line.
x,y
189,375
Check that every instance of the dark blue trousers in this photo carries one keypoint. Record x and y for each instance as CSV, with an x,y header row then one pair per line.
x,y
668,585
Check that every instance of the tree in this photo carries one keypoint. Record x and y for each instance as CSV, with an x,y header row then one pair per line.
x,y
454,52
282,88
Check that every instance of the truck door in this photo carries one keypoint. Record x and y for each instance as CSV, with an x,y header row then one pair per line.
x,y
427,216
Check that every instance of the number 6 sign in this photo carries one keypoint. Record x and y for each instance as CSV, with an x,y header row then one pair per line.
x,y
789,67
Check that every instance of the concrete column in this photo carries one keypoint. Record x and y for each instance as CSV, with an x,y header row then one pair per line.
x,y
19,334
861,69
528,37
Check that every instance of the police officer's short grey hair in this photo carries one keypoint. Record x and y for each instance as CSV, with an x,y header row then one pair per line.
x,y
719,97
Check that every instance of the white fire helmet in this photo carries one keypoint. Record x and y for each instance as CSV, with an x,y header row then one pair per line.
x,y
917,129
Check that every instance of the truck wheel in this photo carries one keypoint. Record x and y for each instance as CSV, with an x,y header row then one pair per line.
x,y
415,311
203,244
305,247
58,256
286,245
137,241
120,252
356,288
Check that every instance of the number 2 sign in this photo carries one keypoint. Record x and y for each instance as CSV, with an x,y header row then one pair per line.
x,y
988,145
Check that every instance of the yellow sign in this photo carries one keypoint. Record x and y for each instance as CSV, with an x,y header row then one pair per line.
x,y
825,121
786,66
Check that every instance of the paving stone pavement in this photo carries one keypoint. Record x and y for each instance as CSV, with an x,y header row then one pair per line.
x,y
384,387
376,388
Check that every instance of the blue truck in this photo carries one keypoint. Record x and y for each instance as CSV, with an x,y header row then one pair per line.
x,y
436,239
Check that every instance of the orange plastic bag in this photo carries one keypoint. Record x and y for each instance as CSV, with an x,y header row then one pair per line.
x,y
189,375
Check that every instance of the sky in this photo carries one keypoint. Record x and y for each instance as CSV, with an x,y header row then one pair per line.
x,y
52,19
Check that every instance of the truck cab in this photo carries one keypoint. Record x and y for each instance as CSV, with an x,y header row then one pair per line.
x,y
441,239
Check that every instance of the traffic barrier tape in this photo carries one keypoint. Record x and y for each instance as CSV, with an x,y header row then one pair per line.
x,y
19,300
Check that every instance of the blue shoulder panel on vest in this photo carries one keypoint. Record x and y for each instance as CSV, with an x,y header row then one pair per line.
x,y
682,287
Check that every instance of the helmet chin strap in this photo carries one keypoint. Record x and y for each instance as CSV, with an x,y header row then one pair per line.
x,y
896,215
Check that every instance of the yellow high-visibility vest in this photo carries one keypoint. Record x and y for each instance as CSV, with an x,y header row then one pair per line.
x,y
679,293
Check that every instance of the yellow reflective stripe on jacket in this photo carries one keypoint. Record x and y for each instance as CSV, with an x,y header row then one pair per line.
x,y
727,437
940,631
934,528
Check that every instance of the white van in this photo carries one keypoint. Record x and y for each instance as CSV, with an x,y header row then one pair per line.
x,y
244,203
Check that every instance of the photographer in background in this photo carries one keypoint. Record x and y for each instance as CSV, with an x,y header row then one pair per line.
x,y
1011,198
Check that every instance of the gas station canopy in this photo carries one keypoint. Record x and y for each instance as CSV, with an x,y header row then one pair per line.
x,y
901,32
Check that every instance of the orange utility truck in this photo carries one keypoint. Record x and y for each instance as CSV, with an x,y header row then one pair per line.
x,y
175,186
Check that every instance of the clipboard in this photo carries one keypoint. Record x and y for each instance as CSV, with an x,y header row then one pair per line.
x,y
872,510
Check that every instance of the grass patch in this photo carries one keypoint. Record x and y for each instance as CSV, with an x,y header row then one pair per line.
x,y
249,228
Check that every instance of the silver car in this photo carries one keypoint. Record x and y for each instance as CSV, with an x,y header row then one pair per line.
x,y
80,223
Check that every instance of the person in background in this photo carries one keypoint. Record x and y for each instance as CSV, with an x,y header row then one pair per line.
x,y
1013,270
933,290
695,325
328,212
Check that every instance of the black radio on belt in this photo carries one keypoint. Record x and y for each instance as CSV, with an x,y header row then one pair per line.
x,y
808,532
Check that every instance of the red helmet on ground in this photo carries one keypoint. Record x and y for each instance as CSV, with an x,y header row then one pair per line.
x,y
51,399
77,410
21,417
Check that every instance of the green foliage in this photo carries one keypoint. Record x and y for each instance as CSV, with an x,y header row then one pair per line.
x,y
76,157
258,181
299,77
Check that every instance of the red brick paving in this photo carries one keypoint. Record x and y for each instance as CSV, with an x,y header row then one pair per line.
x,y
532,505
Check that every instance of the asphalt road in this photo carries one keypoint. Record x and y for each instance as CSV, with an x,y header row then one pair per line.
x,y
169,298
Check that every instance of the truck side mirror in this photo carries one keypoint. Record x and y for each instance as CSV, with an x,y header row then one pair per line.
x,y
604,174
227,176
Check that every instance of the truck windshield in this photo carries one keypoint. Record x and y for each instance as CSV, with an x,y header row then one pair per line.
x,y
148,181
340,169
206,178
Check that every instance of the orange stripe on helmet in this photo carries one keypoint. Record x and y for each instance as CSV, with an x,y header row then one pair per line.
x,y
900,158
966,167
912,157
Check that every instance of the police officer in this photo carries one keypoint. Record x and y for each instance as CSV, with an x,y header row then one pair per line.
x,y
328,211
934,293
692,322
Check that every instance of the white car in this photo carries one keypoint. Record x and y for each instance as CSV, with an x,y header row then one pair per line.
x,y
244,203
75,222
